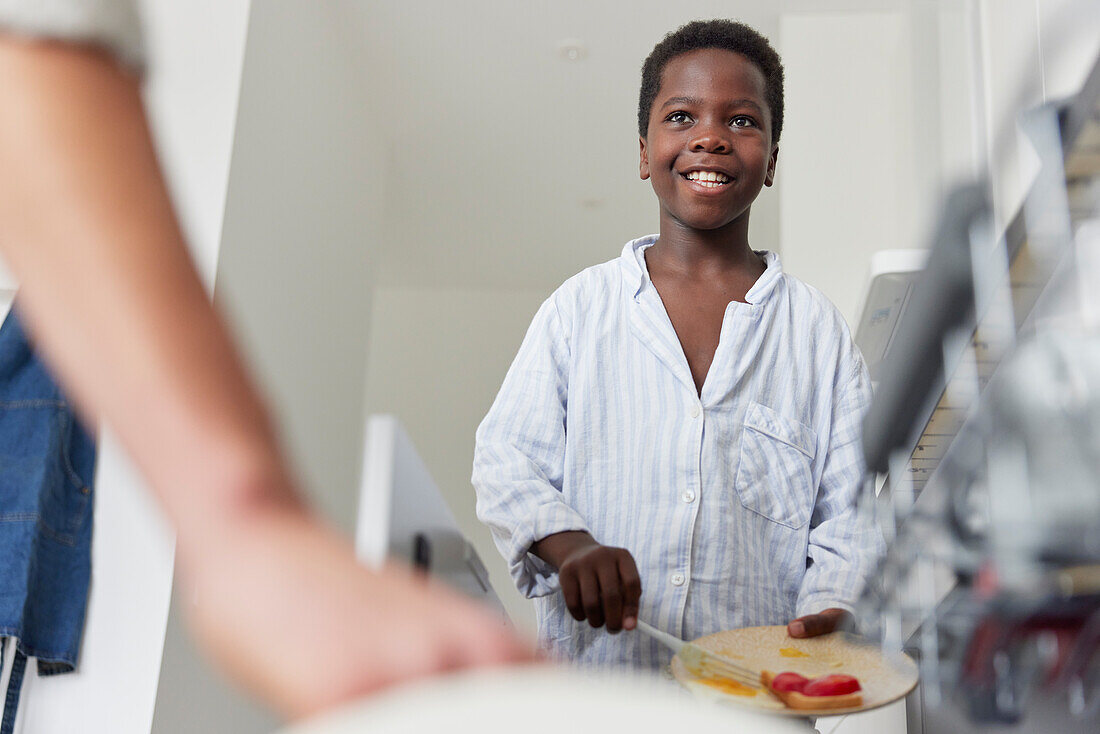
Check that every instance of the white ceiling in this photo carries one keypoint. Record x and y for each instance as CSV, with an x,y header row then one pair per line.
x,y
508,165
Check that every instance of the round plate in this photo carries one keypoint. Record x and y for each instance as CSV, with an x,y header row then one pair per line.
x,y
884,679
501,701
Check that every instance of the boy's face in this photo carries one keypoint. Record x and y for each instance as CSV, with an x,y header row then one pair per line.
x,y
709,121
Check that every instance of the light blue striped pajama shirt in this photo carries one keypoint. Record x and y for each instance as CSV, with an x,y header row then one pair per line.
x,y
738,506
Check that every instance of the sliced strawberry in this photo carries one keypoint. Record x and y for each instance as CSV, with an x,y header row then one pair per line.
x,y
831,685
789,682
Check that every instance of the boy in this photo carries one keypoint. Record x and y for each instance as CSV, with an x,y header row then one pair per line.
x,y
684,419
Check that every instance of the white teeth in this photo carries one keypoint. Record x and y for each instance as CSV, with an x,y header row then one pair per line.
x,y
710,179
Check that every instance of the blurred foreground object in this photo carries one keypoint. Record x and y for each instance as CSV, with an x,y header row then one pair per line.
x,y
114,303
987,427
580,702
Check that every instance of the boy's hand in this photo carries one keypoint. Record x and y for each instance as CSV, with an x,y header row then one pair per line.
x,y
599,583
821,623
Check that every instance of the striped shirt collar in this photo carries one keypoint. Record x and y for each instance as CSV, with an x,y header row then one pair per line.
x,y
635,272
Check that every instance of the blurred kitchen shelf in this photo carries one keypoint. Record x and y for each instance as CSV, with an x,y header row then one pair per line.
x,y
927,493
973,363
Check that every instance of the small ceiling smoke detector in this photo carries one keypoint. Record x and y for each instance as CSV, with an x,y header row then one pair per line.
x,y
572,49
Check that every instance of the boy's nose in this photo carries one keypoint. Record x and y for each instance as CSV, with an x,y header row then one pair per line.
x,y
710,141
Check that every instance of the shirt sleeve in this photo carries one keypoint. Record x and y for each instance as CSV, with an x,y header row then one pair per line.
x,y
844,543
113,25
519,455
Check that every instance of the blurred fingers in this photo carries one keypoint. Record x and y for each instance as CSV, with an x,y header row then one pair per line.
x,y
822,623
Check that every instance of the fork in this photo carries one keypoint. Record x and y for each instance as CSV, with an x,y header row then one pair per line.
x,y
701,661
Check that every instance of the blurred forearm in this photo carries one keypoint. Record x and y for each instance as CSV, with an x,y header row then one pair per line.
x,y
110,292
111,295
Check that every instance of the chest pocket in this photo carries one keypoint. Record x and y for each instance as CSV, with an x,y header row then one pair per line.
x,y
774,476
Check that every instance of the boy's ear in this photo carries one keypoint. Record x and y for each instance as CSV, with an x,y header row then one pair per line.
x,y
770,177
643,164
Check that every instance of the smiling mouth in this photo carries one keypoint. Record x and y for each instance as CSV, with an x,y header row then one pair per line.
x,y
708,179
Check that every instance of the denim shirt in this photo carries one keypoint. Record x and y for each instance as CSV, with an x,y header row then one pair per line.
x,y
47,461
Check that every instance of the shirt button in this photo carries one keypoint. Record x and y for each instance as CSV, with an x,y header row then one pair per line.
x,y
696,410
688,496
677,579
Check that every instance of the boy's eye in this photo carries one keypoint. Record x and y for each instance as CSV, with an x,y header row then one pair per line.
x,y
743,121
678,117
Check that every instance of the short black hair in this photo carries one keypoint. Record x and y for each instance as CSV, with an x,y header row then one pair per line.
x,y
724,34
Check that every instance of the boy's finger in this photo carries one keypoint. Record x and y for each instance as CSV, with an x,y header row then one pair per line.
x,y
590,597
611,591
571,593
813,625
797,627
632,590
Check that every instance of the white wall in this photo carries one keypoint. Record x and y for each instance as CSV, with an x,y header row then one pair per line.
x,y
437,358
1033,51
847,173
856,125
303,203
191,96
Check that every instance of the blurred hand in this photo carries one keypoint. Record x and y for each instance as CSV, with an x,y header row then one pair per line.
x,y
822,623
599,583
289,612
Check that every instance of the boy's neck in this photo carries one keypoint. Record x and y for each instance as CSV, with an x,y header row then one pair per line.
x,y
693,251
